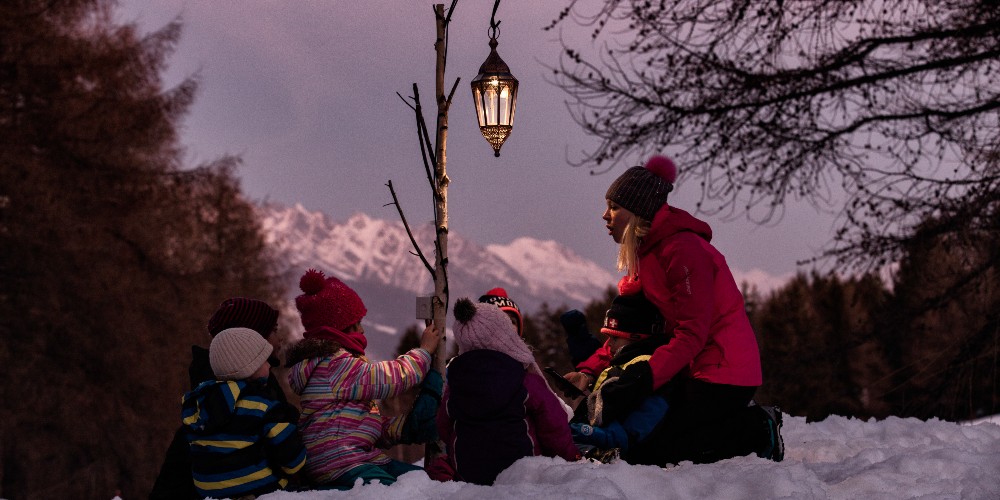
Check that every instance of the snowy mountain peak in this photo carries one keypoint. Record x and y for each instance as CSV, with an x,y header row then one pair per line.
x,y
374,257
366,249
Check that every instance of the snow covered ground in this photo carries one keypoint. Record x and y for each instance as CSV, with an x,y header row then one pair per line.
x,y
838,458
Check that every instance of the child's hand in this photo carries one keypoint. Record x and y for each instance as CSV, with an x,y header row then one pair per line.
x,y
581,380
431,338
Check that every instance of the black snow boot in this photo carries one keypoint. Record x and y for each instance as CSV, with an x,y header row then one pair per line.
x,y
774,446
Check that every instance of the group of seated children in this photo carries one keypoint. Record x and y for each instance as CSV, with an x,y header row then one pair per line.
x,y
239,437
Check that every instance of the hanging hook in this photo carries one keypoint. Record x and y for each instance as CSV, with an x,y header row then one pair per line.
x,y
494,24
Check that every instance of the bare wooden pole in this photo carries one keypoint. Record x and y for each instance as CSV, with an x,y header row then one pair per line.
x,y
441,188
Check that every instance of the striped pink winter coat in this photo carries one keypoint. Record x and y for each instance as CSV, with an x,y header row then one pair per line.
x,y
341,423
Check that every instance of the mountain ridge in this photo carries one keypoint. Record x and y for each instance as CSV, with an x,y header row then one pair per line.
x,y
374,257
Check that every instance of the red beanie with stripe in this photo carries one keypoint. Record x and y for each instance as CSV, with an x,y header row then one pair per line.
x,y
498,297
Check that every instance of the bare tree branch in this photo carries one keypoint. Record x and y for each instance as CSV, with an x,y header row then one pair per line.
x,y
413,241
880,110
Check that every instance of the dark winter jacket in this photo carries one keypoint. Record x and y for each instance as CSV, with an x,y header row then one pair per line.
x,y
174,480
611,427
597,412
692,286
241,441
494,412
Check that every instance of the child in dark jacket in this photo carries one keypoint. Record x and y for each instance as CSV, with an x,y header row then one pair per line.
x,y
174,479
497,407
650,434
241,440
635,329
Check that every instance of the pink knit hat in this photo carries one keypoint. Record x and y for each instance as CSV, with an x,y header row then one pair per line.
x,y
327,302
485,326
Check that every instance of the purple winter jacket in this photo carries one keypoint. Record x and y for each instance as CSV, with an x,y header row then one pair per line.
x,y
494,412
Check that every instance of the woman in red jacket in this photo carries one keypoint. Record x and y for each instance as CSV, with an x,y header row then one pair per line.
x,y
712,358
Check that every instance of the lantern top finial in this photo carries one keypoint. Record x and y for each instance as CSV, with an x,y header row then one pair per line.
x,y
494,65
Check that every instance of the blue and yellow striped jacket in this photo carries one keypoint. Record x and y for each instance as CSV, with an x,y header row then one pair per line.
x,y
241,441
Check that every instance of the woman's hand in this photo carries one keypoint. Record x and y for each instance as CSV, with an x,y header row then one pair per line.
x,y
431,338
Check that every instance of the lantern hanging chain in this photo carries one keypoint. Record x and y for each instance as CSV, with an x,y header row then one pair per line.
x,y
494,24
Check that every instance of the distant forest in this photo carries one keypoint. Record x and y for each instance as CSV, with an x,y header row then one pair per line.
x,y
921,346
113,254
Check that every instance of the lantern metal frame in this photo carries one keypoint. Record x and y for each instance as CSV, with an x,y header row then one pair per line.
x,y
494,92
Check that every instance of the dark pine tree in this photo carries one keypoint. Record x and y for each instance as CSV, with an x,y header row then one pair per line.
x,y
112,253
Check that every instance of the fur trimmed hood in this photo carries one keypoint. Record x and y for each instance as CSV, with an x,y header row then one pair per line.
x,y
311,348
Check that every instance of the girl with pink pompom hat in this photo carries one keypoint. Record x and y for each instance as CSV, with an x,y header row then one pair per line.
x,y
340,390
712,361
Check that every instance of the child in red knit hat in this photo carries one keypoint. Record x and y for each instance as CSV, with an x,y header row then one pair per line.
x,y
340,390
498,297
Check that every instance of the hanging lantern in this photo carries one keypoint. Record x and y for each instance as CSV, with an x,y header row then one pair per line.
x,y
495,93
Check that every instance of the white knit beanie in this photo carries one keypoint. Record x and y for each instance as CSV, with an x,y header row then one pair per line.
x,y
236,353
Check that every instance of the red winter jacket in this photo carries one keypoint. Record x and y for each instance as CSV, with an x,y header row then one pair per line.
x,y
691,284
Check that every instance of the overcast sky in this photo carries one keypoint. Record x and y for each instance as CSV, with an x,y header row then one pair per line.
x,y
305,93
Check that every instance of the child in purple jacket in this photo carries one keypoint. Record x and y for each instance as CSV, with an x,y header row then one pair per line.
x,y
497,407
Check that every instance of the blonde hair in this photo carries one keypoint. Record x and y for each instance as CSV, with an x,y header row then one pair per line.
x,y
628,253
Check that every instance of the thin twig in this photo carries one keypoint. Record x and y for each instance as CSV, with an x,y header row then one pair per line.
x,y
413,241
404,101
452,93
426,149
447,18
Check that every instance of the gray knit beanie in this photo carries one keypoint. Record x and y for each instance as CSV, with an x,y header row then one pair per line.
x,y
236,353
643,190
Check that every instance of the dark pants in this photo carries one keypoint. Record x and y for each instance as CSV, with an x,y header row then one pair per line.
x,y
705,423
174,481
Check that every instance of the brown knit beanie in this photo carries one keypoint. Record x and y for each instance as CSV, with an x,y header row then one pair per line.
x,y
643,190
236,353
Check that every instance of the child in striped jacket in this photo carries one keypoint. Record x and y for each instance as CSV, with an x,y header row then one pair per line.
x,y
340,390
241,440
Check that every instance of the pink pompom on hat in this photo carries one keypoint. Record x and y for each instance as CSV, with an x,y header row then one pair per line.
x,y
326,302
643,190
